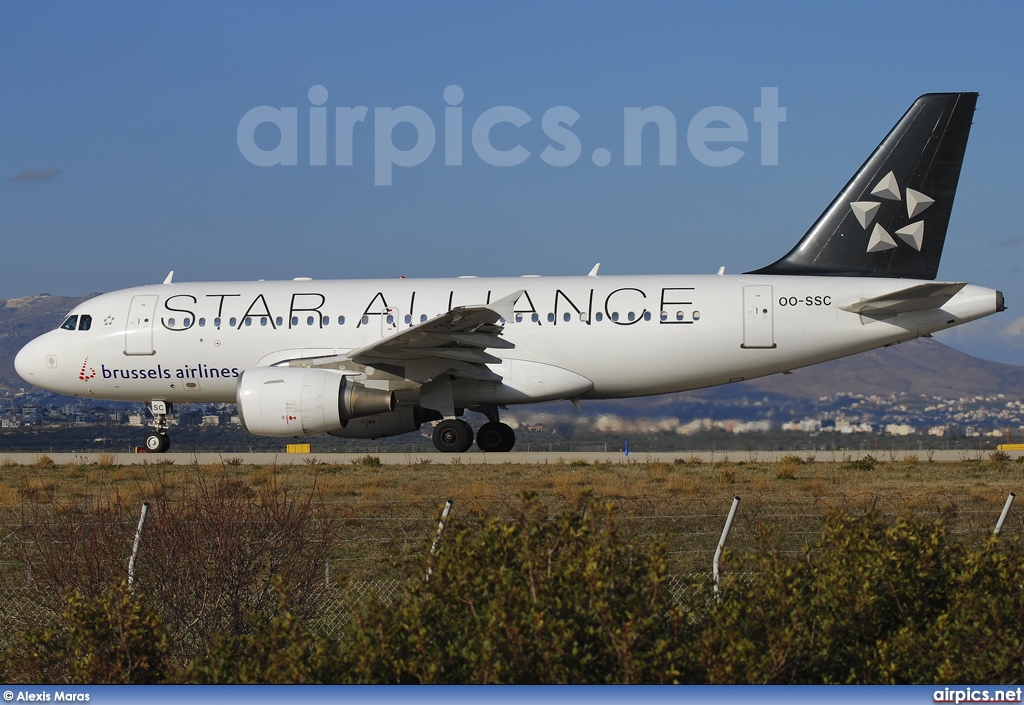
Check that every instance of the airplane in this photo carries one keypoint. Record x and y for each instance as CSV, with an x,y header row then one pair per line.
x,y
377,358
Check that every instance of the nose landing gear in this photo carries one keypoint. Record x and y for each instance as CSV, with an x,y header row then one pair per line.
x,y
157,440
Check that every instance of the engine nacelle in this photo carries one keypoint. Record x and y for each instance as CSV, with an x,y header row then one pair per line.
x,y
404,419
298,401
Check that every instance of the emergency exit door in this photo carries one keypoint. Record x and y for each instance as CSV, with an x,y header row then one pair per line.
x,y
758,329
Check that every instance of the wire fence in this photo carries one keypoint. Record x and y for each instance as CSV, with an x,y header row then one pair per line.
x,y
363,546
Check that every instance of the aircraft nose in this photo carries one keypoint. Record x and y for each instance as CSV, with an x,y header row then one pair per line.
x,y
25,362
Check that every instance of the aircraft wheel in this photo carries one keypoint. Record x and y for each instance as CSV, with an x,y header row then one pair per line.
x,y
453,436
157,443
495,437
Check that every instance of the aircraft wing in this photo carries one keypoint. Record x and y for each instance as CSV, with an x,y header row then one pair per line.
x,y
922,297
455,342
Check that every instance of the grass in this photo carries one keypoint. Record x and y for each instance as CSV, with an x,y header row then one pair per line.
x,y
393,508
465,480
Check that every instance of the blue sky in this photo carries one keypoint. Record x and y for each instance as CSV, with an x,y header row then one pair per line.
x,y
120,157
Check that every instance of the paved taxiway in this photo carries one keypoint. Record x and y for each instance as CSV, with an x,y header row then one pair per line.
x,y
542,458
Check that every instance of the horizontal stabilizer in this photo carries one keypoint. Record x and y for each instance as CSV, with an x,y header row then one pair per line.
x,y
923,297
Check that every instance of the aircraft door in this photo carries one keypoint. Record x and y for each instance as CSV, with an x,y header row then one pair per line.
x,y
138,332
758,327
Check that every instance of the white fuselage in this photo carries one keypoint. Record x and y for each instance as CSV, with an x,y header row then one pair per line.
x,y
574,337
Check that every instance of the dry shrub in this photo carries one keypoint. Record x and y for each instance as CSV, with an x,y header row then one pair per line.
x,y
726,474
762,482
207,558
44,461
38,489
659,471
568,484
688,485
786,470
9,495
106,460
814,487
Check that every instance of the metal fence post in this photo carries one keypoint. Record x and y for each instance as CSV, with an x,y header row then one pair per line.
x,y
721,544
1002,516
440,531
135,548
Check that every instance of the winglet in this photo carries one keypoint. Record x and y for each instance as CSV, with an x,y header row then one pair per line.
x,y
170,276
504,307
593,272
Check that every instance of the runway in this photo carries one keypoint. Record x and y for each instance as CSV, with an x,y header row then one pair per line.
x,y
513,458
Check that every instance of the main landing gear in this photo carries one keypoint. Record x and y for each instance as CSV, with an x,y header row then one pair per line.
x,y
157,440
456,436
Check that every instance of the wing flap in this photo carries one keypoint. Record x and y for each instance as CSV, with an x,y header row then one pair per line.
x,y
455,342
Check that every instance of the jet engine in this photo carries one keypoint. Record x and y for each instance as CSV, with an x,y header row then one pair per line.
x,y
404,419
295,401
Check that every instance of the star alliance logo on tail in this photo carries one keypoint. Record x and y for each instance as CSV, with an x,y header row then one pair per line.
x,y
889,189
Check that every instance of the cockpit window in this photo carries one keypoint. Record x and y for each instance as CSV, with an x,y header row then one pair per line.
x,y
85,322
70,323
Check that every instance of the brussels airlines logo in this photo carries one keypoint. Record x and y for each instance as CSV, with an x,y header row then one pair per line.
x,y
889,189
86,377
269,136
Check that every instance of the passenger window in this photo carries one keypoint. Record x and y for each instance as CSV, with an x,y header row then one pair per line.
x,y
279,321
696,315
567,317
70,323
263,320
365,320
85,322
232,321
216,322
551,318
309,320
202,322
187,323
647,315
535,318
423,318
341,320
583,317
325,320
248,321
599,316
519,318
170,323
680,315
295,320
615,316
408,319
630,316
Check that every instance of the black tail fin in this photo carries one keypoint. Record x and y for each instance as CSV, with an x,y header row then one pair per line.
x,y
890,220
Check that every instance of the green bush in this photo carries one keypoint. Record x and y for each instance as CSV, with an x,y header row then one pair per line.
x,y
536,600
276,649
868,462
109,639
570,599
